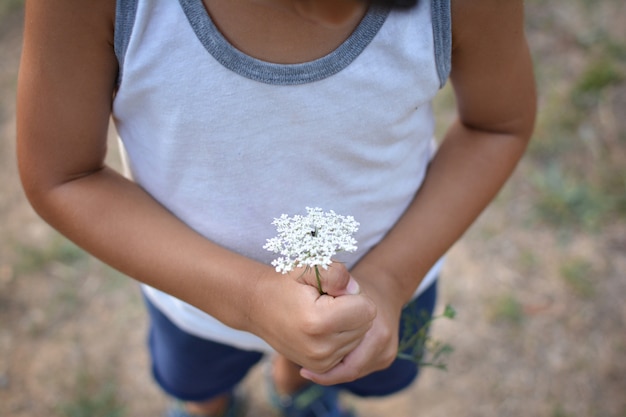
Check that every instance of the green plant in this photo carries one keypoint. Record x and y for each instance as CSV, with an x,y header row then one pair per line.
x,y
559,411
565,201
508,309
528,259
93,398
576,272
598,75
416,343
579,125
7,6
613,184
57,249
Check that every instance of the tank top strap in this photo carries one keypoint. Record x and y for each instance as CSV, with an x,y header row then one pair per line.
x,y
125,11
442,33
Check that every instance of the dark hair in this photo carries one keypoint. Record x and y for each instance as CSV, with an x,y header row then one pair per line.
x,y
395,3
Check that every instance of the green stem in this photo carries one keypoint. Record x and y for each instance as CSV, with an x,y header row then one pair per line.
x,y
319,281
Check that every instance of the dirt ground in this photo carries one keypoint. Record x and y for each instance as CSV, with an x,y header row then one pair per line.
x,y
529,338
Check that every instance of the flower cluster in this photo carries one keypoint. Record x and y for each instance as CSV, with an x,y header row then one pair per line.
x,y
311,240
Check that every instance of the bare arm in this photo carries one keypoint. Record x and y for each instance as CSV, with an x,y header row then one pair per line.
x,y
66,87
494,85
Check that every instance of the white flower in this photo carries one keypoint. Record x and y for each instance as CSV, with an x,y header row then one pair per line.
x,y
311,240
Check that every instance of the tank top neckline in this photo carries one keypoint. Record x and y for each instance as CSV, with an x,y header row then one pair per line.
x,y
282,74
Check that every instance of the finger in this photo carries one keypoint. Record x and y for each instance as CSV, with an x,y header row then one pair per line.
x,y
334,281
354,365
345,313
326,351
339,374
337,281
337,356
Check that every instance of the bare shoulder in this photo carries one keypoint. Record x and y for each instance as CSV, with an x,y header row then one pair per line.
x,y
67,17
492,71
66,83
483,19
60,35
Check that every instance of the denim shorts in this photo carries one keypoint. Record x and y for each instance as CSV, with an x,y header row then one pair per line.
x,y
190,368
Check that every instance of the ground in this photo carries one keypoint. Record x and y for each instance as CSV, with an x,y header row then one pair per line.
x,y
541,324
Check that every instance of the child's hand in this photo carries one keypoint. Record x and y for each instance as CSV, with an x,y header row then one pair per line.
x,y
378,349
313,331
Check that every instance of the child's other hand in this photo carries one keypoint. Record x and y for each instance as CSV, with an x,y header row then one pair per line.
x,y
315,331
378,349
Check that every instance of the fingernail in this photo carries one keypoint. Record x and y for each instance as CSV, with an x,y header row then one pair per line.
x,y
305,374
353,287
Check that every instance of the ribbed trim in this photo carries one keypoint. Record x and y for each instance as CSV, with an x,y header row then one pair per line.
x,y
442,31
280,74
125,11
277,74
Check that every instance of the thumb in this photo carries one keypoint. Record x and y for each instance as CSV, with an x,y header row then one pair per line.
x,y
335,281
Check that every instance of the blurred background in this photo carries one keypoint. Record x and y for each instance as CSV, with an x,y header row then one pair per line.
x,y
538,282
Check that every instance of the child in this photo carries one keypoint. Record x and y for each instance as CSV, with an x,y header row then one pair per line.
x,y
232,112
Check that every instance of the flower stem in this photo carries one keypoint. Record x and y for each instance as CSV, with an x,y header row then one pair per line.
x,y
319,281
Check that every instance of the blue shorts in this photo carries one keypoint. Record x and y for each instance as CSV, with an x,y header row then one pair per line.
x,y
190,368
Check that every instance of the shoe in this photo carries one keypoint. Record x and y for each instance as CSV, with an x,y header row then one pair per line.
x,y
236,408
311,401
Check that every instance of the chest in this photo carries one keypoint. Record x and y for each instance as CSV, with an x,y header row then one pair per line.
x,y
278,34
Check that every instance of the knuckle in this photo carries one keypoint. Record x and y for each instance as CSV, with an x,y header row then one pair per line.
x,y
387,359
319,353
339,268
339,271
311,325
387,356
352,375
371,311
386,336
320,365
